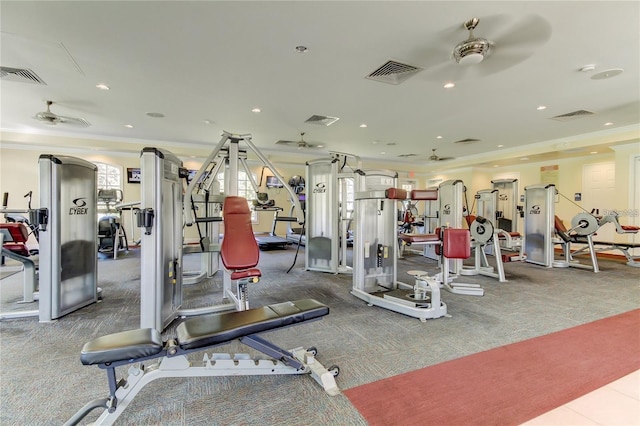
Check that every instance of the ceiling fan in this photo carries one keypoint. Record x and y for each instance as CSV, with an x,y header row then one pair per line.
x,y
300,144
49,117
434,157
479,56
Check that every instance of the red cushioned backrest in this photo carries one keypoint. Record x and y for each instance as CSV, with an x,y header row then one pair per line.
x,y
239,247
19,232
559,225
456,243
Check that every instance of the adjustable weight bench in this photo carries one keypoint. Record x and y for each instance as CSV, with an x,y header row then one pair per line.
x,y
240,255
198,334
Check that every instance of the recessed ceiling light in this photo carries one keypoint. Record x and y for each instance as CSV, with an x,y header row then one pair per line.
x,y
524,158
256,110
102,86
541,107
500,146
593,152
129,126
608,123
383,152
320,146
607,74
207,121
155,114
588,68
363,125
449,85
302,49
438,137
375,142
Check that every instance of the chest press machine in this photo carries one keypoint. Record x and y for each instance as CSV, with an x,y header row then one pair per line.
x,y
239,252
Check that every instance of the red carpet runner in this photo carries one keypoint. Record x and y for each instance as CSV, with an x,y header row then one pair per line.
x,y
510,384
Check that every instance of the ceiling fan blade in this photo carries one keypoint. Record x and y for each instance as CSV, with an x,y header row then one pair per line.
x,y
529,32
78,122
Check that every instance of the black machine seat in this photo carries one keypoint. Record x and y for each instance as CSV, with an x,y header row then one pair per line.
x,y
131,344
212,330
200,332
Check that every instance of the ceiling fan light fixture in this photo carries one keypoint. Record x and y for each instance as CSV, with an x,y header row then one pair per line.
x,y
471,52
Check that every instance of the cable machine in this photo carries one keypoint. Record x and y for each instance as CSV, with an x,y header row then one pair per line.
x,y
327,215
67,237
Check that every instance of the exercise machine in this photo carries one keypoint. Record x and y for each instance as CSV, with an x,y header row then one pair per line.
x,y
375,251
66,220
297,234
161,217
200,334
111,235
228,153
543,230
501,210
14,237
449,196
507,211
484,238
539,212
327,213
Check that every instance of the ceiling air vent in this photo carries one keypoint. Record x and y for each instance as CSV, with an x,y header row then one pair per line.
x,y
572,115
393,72
23,75
467,141
322,120
407,155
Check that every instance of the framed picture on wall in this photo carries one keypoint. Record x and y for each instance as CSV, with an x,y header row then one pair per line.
x,y
133,176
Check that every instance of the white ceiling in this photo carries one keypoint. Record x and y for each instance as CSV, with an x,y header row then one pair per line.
x,y
211,60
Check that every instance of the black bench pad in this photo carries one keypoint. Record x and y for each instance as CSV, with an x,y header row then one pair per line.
x,y
209,330
131,344
200,332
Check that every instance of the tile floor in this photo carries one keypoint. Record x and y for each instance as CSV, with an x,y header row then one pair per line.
x,y
616,404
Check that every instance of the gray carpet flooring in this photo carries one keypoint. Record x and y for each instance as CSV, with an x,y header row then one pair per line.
x,y
42,381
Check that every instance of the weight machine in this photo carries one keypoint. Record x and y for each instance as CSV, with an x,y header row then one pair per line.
x,y
542,225
66,221
375,253
327,215
111,234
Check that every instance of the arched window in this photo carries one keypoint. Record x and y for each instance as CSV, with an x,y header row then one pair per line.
x,y
109,176
245,189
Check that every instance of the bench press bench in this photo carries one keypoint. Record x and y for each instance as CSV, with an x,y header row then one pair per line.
x,y
198,334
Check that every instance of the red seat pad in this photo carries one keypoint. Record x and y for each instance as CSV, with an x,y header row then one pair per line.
x,y
19,248
239,247
630,228
456,243
420,238
246,273
424,194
